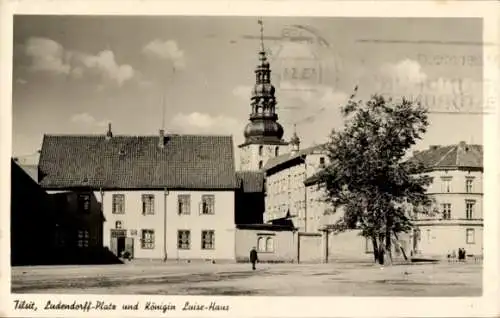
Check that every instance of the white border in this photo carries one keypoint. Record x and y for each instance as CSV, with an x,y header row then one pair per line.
x,y
273,306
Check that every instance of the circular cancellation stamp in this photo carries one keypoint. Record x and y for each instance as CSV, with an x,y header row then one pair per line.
x,y
303,61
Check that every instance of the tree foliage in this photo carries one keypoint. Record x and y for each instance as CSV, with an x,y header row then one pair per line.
x,y
368,176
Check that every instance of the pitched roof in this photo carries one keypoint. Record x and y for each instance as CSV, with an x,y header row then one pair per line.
x,y
137,162
282,159
250,181
450,157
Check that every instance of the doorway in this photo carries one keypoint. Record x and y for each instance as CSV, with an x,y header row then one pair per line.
x,y
117,243
120,244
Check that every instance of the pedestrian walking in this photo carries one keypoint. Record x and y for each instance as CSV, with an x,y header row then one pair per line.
x,y
253,257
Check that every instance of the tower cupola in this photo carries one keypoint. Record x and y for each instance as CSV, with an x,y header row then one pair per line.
x,y
263,126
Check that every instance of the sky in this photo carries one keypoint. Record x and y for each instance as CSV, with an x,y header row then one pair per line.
x,y
193,75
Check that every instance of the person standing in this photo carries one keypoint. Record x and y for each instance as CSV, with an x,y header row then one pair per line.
x,y
253,257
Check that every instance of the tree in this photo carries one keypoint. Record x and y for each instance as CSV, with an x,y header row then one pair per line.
x,y
368,176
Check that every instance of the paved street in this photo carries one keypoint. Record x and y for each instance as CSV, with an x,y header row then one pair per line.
x,y
335,279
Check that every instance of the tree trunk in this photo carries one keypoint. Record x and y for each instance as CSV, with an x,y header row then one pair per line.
x,y
381,253
388,247
375,249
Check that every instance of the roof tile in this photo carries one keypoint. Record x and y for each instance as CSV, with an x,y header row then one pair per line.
x,y
452,156
128,162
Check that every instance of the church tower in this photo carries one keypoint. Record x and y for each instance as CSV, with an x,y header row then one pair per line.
x,y
263,134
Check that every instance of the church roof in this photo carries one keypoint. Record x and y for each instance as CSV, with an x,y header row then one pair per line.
x,y
137,162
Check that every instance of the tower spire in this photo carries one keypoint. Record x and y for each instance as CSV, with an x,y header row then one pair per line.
x,y
261,34
263,124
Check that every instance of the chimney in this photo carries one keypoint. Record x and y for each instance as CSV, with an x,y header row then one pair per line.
x,y
109,133
161,140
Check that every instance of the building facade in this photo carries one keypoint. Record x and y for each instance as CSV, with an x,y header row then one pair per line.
x,y
286,195
162,197
457,188
456,219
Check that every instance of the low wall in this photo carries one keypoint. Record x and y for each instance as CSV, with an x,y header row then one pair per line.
x,y
274,246
346,245
310,247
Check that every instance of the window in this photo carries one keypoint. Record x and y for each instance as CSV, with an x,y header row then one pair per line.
x,y
261,244
322,161
265,244
183,239
184,204
118,203
118,224
260,164
428,235
276,151
261,149
83,238
148,239
446,211
468,185
470,236
208,204
207,240
269,245
148,204
446,184
84,203
469,209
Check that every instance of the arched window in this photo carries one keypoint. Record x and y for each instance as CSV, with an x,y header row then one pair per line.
x,y
261,244
276,151
261,149
269,244
260,164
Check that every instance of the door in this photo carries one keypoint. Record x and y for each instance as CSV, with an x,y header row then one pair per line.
x,y
117,243
113,246
121,246
129,246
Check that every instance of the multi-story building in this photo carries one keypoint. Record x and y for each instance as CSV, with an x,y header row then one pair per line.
x,y
456,172
457,188
286,195
166,196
